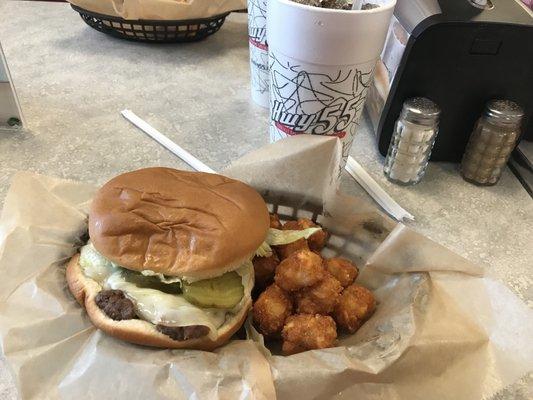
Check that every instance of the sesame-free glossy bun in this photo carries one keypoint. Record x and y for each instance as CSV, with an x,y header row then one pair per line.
x,y
177,223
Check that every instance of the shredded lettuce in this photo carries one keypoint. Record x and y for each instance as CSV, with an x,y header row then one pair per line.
x,y
264,250
95,265
276,237
161,277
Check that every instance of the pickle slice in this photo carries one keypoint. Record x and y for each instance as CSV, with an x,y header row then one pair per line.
x,y
151,282
222,292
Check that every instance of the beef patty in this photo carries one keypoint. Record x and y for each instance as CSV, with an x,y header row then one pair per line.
x,y
118,307
115,304
183,332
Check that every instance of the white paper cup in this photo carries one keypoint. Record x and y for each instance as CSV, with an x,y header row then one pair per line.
x,y
321,64
257,10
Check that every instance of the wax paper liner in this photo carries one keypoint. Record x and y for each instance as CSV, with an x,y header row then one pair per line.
x,y
161,10
441,330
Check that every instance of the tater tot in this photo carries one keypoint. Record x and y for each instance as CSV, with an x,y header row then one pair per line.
x,y
300,270
307,332
288,348
343,270
285,250
264,269
320,298
291,226
356,304
317,240
274,221
271,310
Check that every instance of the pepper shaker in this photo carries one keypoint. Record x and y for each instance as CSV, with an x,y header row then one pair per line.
x,y
492,142
413,139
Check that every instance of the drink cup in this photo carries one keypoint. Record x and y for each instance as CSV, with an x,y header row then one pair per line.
x,y
257,10
321,64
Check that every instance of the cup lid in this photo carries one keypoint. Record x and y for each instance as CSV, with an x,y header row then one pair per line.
x,y
324,36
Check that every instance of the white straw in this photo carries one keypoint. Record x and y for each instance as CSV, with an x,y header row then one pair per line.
x,y
357,4
376,191
166,142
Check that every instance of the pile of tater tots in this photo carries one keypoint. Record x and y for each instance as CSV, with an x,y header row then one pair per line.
x,y
303,298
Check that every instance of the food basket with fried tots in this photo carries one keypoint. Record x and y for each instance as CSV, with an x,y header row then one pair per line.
x,y
301,297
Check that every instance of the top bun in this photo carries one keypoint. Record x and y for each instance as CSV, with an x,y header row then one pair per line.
x,y
177,223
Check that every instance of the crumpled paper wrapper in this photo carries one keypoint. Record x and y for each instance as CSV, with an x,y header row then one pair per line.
x,y
441,330
161,10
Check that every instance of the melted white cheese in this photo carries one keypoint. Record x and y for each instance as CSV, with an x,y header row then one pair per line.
x,y
167,309
155,306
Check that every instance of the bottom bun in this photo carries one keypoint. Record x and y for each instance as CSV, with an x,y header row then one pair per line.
x,y
139,331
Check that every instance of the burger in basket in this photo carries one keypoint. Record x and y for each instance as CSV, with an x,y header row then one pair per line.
x,y
168,262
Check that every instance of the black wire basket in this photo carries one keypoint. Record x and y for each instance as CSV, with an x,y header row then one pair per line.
x,y
354,244
153,31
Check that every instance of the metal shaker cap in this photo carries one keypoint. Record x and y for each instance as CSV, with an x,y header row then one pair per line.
x,y
504,111
420,110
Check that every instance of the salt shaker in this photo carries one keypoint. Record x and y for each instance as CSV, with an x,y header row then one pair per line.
x,y
492,142
413,139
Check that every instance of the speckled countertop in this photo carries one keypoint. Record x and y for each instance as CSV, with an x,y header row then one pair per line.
x,y
73,81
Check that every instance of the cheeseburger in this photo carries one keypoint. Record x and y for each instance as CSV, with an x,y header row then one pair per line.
x,y
168,262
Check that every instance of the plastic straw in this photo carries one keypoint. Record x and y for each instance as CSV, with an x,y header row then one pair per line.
x,y
166,142
376,192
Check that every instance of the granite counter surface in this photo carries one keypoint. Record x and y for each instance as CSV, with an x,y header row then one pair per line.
x,y
73,81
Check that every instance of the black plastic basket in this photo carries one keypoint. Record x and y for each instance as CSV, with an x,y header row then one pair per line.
x,y
153,31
